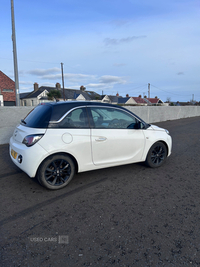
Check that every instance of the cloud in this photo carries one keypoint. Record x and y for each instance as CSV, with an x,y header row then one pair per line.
x,y
95,85
72,76
42,72
111,79
106,82
55,74
109,41
25,82
51,77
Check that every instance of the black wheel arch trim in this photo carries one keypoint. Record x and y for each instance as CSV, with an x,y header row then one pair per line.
x,y
160,141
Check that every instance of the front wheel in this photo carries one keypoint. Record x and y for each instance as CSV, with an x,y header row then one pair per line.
x,y
156,155
56,171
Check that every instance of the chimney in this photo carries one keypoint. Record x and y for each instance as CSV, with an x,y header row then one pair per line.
x,y
127,95
156,97
145,96
140,96
82,88
58,86
117,94
36,87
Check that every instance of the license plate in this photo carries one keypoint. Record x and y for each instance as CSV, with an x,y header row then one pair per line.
x,y
13,153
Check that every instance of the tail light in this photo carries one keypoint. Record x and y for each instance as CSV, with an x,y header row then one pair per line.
x,y
30,140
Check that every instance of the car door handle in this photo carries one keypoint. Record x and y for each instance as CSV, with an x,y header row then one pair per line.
x,y
100,139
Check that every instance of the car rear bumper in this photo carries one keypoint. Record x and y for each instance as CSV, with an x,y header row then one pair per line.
x,y
31,156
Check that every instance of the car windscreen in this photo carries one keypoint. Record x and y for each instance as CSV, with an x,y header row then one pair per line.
x,y
39,117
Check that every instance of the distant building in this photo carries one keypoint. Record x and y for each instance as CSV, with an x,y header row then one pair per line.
x,y
126,100
110,99
7,91
140,101
153,101
39,95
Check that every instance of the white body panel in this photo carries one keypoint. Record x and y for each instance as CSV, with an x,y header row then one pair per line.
x,y
87,136
114,146
75,142
92,148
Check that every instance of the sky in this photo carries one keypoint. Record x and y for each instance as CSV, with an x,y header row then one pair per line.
x,y
109,46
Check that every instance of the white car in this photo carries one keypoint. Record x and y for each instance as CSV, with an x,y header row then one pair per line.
x,y
55,140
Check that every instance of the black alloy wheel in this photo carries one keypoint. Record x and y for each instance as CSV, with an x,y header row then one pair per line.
x,y
157,155
56,172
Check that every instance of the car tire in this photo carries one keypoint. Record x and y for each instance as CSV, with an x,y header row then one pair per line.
x,y
56,171
157,155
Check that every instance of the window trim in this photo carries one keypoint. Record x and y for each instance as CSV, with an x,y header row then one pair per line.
x,y
56,123
67,114
89,115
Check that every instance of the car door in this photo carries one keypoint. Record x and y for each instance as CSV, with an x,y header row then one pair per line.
x,y
116,136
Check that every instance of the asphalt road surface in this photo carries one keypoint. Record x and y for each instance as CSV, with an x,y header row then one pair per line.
x,y
124,216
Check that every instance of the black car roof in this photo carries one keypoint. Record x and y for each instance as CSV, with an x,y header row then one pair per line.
x,y
45,113
78,103
61,108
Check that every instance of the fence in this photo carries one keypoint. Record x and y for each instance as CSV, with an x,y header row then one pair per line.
x,y
11,116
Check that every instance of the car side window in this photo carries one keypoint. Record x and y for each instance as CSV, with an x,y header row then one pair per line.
x,y
77,118
111,118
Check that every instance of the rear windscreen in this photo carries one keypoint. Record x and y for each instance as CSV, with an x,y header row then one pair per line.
x,y
39,117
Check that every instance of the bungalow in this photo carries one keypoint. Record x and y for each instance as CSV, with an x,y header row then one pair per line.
x,y
118,99
110,99
153,101
39,95
140,101
126,100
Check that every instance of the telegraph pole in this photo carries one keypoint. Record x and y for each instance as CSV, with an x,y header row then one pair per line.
x,y
63,81
15,56
148,90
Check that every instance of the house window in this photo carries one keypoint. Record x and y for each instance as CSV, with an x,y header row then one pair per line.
x,y
24,102
7,90
32,103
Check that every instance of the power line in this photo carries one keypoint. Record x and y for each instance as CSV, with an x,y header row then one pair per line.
x,y
139,87
168,91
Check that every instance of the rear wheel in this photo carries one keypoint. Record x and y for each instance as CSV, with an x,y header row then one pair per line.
x,y
56,172
156,155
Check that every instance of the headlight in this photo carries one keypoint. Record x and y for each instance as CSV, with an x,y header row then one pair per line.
x,y
30,140
167,131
